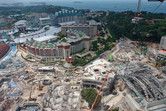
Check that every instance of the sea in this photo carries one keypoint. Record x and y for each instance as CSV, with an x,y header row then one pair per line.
x,y
113,5
101,5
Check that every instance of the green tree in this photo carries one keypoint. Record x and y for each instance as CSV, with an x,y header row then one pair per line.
x,y
89,95
95,46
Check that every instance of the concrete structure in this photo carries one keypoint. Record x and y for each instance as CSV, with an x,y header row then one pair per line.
x,y
146,92
21,25
62,98
136,20
65,16
90,30
44,21
80,19
46,69
28,106
75,42
97,71
162,49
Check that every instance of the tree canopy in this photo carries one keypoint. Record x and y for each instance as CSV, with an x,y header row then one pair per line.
x,y
89,95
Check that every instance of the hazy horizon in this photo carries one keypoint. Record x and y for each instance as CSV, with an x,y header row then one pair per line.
x,y
26,1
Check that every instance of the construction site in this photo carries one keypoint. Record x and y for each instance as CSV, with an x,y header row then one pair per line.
x,y
131,82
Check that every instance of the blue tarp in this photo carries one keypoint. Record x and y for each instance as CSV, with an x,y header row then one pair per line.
x,y
122,46
12,84
124,68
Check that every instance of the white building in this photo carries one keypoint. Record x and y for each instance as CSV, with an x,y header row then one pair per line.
x,y
162,49
45,21
21,25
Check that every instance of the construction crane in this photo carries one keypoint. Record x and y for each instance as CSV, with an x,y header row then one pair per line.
x,y
139,5
40,87
100,89
155,0
30,98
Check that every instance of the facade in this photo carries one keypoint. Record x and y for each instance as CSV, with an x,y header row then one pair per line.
x,y
90,30
44,21
162,49
80,19
75,42
96,73
4,48
21,25
65,16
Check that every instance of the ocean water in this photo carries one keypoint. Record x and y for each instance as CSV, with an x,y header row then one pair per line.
x,y
116,5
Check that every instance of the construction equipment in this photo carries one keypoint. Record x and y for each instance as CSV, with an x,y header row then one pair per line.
x,y
30,98
121,85
155,0
41,94
159,75
40,87
100,90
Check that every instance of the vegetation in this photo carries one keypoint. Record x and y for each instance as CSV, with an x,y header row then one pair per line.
x,y
50,9
106,43
120,24
79,62
89,95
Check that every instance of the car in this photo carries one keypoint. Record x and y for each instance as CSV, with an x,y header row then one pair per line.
x,y
67,80
106,107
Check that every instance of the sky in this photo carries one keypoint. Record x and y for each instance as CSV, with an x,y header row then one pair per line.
x,y
12,1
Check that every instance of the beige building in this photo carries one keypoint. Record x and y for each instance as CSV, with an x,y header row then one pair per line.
x,y
90,30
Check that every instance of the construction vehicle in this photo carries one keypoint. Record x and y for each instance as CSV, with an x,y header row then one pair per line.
x,y
159,75
41,94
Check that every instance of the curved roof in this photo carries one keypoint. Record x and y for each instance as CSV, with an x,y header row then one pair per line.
x,y
4,48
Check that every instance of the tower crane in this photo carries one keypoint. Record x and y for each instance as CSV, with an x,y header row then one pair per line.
x,y
139,5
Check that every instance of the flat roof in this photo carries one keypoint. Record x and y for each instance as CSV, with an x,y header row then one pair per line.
x,y
44,18
46,68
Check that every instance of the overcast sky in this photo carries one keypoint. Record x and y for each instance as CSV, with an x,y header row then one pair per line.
x,y
11,1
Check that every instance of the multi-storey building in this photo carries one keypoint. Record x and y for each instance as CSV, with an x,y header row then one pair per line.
x,y
75,42
4,48
45,21
80,19
162,49
90,30
65,16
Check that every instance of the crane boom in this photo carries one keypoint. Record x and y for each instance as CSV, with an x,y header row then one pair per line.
x,y
139,6
99,91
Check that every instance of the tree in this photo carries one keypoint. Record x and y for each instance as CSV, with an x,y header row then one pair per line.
x,y
79,62
95,47
89,95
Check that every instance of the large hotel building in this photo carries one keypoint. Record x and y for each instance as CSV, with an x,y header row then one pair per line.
x,y
65,16
75,42
89,29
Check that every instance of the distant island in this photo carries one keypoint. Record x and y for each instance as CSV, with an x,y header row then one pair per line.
x,y
38,3
78,2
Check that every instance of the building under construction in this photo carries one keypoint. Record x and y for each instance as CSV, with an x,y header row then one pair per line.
x,y
162,49
146,91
